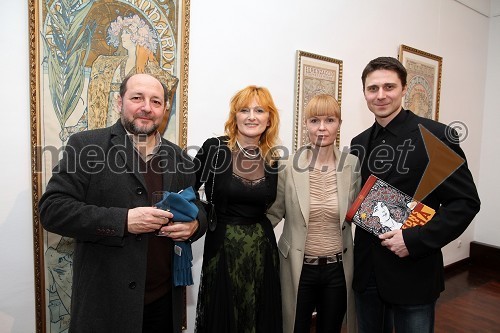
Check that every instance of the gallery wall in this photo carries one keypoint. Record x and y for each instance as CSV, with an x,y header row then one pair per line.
x,y
486,229
235,43
17,306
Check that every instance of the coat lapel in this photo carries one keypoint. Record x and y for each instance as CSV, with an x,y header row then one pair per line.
x,y
343,181
300,174
169,161
362,152
126,154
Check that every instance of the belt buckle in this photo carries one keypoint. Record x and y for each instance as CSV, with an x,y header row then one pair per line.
x,y
322,260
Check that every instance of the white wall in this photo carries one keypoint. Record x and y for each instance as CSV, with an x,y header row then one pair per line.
x,y
487,230
17,308
235,43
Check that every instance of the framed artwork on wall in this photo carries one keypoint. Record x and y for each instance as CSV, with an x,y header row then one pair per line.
x,y
315,74
80,51
424,81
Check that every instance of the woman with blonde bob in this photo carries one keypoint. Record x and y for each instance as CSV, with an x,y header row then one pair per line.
x,y
316,186
239,288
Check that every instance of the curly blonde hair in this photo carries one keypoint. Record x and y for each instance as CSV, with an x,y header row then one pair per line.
x,y
269,138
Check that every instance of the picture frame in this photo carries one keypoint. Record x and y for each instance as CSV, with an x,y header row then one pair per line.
x,y
315,74
79,53
423,81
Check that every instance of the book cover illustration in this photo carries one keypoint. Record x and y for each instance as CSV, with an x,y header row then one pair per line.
x,y
380,208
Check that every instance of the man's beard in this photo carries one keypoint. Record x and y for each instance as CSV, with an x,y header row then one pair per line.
x,y
136,130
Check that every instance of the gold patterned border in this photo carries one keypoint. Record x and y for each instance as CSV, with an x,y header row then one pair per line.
x,y
185,71
35,166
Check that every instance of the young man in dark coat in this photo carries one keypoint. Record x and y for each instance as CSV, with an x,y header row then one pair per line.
x,y
399,276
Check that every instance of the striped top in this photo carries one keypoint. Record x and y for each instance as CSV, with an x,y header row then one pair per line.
x,y
323,233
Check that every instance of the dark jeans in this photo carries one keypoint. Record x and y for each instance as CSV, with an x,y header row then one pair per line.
x,y
374,315
157,316
321,288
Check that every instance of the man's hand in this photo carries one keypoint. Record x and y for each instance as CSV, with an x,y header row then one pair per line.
x,y
393,240
147,219
179,231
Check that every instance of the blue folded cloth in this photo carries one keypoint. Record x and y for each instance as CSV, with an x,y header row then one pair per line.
x,y
184,209
181,205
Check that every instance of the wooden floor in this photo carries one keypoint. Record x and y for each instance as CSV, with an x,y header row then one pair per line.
x,y
471,300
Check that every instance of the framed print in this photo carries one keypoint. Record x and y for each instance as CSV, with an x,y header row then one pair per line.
x,y
315,74
80,51
424,81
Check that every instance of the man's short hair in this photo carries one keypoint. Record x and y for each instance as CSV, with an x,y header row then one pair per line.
x,y
123,87
388,63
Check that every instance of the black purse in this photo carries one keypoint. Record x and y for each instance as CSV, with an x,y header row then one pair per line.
x,y
211,215
209,205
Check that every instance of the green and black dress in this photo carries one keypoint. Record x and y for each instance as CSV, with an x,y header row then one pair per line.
x,y
239,288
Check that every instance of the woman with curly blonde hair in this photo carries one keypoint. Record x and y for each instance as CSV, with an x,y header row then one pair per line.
x,y
269,138
240,288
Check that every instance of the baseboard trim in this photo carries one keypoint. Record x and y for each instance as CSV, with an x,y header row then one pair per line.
x,y
457,265
484,254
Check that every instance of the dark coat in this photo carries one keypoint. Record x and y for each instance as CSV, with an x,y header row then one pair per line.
x,y
88,197
418,278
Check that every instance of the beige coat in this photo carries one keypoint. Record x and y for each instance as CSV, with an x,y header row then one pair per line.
x,y
292,204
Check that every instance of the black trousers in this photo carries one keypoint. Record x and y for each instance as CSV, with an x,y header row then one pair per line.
x,y
321,288
157,316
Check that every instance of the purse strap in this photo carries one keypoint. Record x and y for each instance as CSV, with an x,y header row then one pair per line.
x,y
213,179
